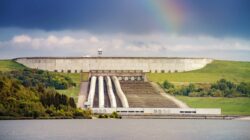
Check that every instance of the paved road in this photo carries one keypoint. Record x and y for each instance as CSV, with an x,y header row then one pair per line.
x,y
83,94
172,98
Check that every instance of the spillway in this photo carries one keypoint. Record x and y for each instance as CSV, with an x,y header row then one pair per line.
x,y
120,93
110,92
92,91
101,92
106,92
143,95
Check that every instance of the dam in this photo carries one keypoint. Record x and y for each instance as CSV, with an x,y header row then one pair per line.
x,y
86,64
119,84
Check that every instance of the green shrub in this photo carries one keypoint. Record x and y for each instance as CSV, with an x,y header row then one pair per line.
x,y
167,85
115,115
221,88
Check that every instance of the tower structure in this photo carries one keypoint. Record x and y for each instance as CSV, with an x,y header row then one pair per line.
x,y
99,52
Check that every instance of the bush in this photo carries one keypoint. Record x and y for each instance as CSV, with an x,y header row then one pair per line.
x,y
115,115
82,113
167,85
244,89
2,110
216,93
194,94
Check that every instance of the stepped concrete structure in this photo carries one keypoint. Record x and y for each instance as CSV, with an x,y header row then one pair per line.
x,y
141,94
120,83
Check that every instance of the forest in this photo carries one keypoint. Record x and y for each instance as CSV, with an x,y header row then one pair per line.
x,y
32,93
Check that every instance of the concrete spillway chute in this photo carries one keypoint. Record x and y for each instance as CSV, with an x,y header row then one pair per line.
x,y
92,91
101,92
120,93
110,92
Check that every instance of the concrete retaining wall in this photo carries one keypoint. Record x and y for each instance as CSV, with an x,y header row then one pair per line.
x,y
85,64
158,111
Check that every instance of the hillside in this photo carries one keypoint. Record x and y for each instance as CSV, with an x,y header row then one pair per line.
x,y
31,93
9,65
230,70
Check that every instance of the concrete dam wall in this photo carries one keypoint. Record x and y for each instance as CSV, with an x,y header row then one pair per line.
x,y
86,64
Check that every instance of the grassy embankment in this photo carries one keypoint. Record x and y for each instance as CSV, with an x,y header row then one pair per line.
x,y
73,91
230,70
229,106
10,65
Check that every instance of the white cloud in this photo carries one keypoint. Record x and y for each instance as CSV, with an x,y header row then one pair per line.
x,y
21,39
72,44
94,39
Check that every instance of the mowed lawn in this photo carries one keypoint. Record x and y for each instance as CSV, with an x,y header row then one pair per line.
x,y
229,106
230,70
9,65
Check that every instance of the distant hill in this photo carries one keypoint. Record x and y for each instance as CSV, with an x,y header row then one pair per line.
x,y
231,70
9,65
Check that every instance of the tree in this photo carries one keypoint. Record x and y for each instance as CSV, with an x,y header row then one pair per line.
x,y
72,102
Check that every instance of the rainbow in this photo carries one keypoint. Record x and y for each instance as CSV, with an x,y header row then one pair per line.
x,y
169,14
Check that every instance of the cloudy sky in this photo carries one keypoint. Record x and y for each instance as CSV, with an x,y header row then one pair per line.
x,y
217,29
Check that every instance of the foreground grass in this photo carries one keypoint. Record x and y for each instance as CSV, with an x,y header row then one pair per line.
x,y
229,106
230,70
9,65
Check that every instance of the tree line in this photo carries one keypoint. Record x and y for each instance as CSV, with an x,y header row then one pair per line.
x,y
34,77
222,88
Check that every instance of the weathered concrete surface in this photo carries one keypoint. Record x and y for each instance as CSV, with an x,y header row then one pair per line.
x,y
159,111
243,118
83,94
143,95
85,64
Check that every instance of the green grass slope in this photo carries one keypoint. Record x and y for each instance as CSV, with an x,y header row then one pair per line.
x,y
229,106
230,70
74,91
9,65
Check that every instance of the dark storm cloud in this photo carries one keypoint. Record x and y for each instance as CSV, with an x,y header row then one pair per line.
x,y
74,14
215,17
219,17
